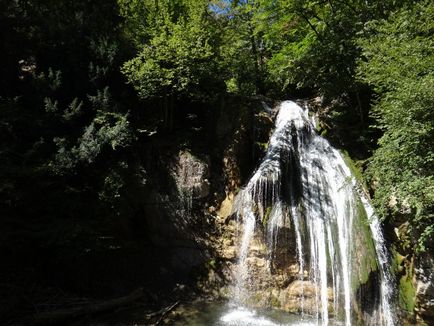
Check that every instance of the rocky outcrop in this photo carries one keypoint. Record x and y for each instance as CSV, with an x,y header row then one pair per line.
x,y
192,175
271,286
206,179
424,284
243,129
415,276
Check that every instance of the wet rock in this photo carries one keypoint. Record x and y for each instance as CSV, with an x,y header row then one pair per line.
x,y
229,253
226,206
191,175
301,289
301,296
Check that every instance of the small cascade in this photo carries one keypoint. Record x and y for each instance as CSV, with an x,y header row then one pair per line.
x,y
383,260
304,191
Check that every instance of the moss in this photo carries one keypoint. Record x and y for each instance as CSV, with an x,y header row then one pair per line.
x,y
407,294
402,267
407,291
262,146
212,264
364,257
267,214
355,168
397,261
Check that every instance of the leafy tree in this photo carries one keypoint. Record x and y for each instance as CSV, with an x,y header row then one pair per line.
x,y
62,122
399,63
180,55
312,44
243,56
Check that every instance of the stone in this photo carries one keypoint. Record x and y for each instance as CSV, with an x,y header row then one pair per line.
x,y
290,298
226,206
191,175
229,253
424,272
301,289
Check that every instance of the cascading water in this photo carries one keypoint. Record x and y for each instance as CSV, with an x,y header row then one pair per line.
x,y
304,185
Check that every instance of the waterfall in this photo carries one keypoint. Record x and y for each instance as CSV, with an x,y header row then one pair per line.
x,y
383,258
303,185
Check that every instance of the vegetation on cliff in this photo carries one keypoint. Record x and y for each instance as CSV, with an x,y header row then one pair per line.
x,y
399,64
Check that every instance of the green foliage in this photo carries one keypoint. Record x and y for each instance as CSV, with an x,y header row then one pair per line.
x,y
243,57
399,64
181,57
107,128
312,44
113,185
62,130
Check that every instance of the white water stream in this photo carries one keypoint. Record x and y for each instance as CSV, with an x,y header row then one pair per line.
x,y
304,181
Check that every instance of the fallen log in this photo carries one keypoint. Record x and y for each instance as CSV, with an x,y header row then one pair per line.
x,y
162,313
57,316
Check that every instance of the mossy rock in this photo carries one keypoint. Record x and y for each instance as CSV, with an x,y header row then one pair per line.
x,y
407,293
267,214
355,168
403,268
365,258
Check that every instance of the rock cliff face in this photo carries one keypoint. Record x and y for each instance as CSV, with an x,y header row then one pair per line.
x,y
191,172
191,175
414,274
424,279
271,286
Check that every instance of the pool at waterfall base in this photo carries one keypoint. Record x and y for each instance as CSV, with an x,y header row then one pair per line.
x,y
227,314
